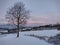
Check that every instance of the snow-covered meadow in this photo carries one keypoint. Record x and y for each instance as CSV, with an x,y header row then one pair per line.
x,y
11,39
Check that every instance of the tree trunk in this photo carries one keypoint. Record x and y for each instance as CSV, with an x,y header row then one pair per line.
x,y
18,33
18,28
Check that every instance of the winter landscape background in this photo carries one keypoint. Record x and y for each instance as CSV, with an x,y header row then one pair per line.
x,y
29,22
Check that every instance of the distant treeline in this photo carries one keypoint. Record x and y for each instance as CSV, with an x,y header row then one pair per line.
x,y
50,26
35,28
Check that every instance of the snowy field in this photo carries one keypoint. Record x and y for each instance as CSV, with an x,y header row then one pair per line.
x,y
11,39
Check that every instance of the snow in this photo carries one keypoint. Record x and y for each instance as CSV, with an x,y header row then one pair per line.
x,y
11,39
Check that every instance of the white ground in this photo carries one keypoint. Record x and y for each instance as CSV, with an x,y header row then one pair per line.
x,y
11,39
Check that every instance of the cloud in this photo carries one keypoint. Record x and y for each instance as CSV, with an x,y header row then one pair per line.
x,y
49,18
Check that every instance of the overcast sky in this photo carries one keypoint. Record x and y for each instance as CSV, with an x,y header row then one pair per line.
x,y
42,11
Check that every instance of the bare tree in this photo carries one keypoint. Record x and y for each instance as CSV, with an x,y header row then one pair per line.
x,y
18,15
